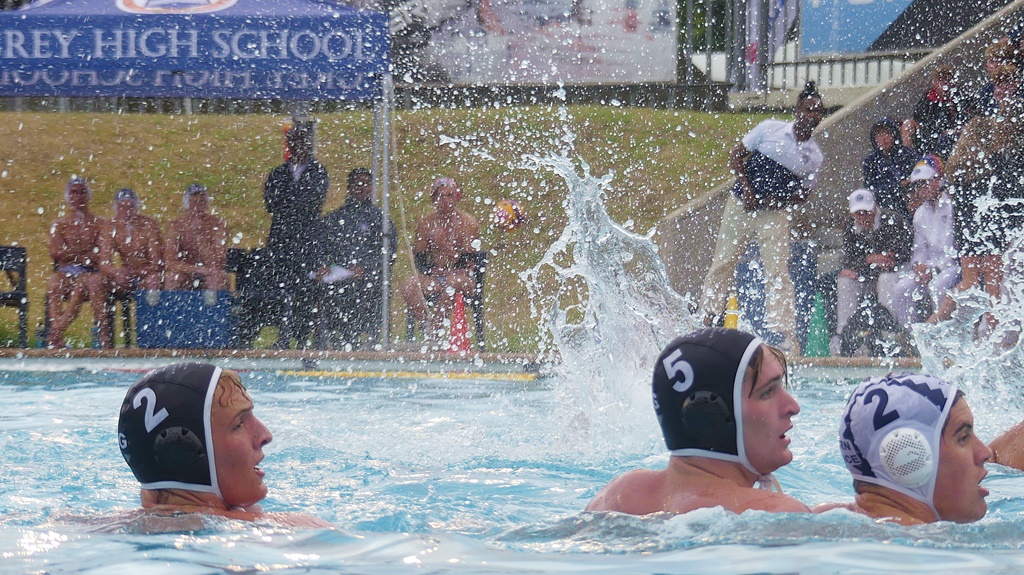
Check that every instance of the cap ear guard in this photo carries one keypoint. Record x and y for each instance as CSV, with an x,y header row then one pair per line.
x,y
707,417
907,457
181,454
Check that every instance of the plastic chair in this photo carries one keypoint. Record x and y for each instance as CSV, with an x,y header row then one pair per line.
x,y
13,261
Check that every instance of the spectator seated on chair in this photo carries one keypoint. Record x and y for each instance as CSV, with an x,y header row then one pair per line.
x,y
934,267
447,241
74,245
475,303
876,243
135,239
353,241
197,245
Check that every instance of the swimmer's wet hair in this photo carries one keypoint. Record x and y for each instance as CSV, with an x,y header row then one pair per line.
x,y
756,362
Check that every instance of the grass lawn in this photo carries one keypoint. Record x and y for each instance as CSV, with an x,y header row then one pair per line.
x,y
658,158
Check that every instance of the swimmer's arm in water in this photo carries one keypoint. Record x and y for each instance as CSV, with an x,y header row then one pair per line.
x,y
770,501
645,491
1008,448
823,507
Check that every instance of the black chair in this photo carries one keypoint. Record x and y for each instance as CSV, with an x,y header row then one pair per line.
x,y
13,262
476,302
236,262
126,299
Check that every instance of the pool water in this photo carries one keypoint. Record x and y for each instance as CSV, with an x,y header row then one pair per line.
x,y
449,476
467,476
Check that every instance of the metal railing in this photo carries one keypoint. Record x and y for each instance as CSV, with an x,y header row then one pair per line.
x,y
840,70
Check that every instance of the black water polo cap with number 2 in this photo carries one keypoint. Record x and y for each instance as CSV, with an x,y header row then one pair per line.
x,y
164,428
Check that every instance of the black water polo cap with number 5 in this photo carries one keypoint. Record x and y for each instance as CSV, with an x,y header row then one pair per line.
x,y
164,428
697,386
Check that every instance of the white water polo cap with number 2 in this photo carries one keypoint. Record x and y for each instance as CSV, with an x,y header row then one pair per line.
x,y
892,429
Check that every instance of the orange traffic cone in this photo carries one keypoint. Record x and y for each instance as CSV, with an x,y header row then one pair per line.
x,y
458,339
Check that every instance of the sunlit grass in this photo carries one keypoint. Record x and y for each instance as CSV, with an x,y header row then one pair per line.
x,y
659,159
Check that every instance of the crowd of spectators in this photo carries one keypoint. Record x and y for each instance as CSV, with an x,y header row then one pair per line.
x,y
940,203
318,278
940,199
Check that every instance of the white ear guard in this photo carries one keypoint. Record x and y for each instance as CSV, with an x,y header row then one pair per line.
x,y
907,457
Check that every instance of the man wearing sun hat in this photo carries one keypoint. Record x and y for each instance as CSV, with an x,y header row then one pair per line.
x,y
875,244
934,266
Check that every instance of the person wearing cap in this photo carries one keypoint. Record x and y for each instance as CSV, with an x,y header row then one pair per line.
x,y
775,167
196,251
887,168
722,402
875,244
447,241
294,195
136,240
909,443
354,238
74,245
934,267
190,436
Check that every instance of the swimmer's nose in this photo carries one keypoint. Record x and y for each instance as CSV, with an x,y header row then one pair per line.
x,y
985,452
265,435
793,407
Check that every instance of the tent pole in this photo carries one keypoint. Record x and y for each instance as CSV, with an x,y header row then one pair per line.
x,y
382,157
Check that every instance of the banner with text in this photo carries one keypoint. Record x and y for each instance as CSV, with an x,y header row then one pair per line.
x,y
334,55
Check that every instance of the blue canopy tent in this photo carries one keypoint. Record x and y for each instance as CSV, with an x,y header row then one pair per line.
x,y
294,50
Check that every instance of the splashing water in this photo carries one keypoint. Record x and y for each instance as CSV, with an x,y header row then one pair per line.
x,y
605,296
979,348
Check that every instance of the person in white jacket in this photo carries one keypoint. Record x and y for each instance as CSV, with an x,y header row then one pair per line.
x,y
933,265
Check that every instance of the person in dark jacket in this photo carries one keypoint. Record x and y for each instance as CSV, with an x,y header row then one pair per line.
x,y
875,245
938,116
887,168
353,243
294,195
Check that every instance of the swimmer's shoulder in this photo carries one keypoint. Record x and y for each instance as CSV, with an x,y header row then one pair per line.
x,y
632,492
296,520
774,502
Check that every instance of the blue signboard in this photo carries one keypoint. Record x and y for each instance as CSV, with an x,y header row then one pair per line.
x,y
845,26
246,49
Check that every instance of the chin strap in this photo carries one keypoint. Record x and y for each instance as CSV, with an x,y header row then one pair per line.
x,y
768,483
